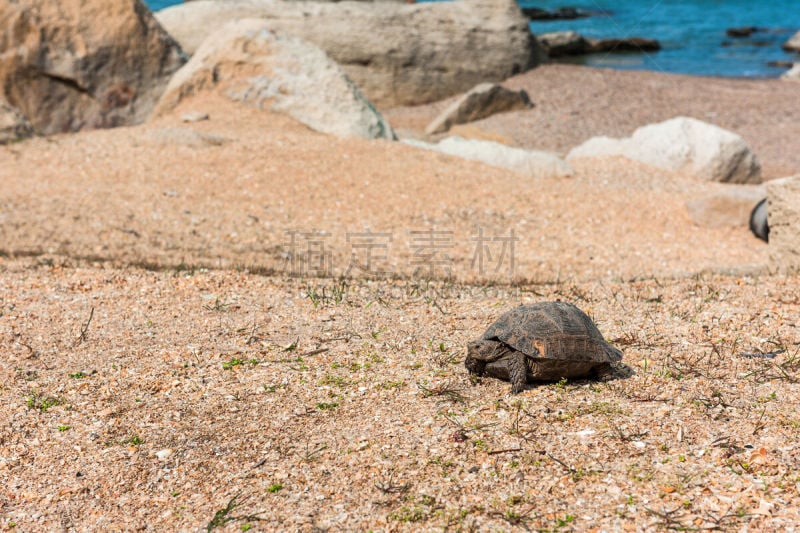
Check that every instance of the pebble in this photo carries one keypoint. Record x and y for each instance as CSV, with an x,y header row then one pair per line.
x,y
163,454
194,116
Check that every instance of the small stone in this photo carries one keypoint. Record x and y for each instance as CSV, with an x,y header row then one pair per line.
x,y
473,469
194,116
482,101
163,454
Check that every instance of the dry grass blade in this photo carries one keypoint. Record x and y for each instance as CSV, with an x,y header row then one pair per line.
x,y
389,487
448,391
223,516
85,329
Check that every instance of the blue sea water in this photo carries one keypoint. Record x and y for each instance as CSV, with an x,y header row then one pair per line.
x,y
691,32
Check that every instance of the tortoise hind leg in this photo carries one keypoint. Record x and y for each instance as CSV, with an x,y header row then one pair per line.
x,y
517,371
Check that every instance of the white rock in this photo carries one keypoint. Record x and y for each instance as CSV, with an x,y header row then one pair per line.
x,y
194,116
685,145
163,454
246,61
533,163
793,74
793,44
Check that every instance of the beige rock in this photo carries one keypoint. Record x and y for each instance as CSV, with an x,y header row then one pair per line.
x,y
728,207
397,54
194,116
13,126
532,163
793,44
482,101
682,144
783,206
72,64
247,62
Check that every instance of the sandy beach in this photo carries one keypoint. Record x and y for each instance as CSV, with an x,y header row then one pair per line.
x,y
191,338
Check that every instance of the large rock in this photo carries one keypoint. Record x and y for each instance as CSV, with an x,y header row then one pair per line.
x,y
70,64
247,62
397,54
728,207
533,163
685,145
482,101
793,44
783,205
13,126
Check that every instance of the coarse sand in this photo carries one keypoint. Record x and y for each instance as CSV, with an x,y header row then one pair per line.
x,y
240,322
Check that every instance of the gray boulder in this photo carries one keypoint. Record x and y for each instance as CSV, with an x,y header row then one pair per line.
x,y
684,145
13,126
482,101
247,62
728,207
783,204
70,64
398,54
793,44
532,163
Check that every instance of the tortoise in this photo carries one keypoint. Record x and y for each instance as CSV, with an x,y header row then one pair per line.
x,y
546,341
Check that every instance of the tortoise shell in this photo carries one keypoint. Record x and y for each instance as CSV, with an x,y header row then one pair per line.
x,y
552,330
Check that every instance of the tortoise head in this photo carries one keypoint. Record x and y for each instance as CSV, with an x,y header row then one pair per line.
x,y
485,351
477,354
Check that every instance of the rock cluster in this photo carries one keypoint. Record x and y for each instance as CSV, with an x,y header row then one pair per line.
x,y
397,54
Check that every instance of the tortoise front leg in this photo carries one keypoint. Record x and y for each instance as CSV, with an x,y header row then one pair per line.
x,y
517,372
